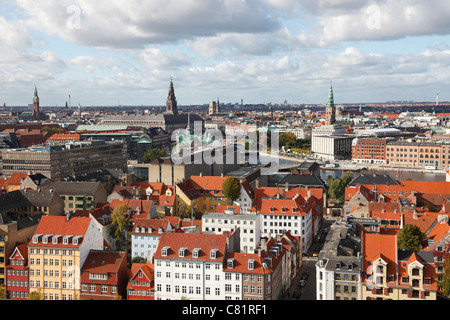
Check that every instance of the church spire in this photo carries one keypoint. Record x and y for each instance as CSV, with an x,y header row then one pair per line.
x,y
331,97
171,103
330,110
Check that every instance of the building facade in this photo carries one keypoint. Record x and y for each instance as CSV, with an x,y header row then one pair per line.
x,y
141,285
63,161
229,220
372,151
56,253
104,275
17,274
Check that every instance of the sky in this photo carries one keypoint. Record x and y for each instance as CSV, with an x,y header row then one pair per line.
x,y
111,52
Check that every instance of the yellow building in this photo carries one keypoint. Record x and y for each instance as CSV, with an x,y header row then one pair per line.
x,y
56,253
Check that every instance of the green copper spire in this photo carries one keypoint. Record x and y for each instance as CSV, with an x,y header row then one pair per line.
x,y
331,97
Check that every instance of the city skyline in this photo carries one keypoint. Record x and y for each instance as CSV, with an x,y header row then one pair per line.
x,y
112,53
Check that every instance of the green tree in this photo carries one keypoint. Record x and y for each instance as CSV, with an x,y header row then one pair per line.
x,y
119,226
231,189
445,283
287,139
336,189
411,238
346,178
36,295
153,154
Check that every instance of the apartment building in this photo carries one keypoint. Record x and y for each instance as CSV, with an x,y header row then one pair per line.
x,y
17,274
205,193
141,285
104,275
63,161
145,236
367,150
432,155
297,210
230,220
338,266
190,266
392,274
79,195
56,254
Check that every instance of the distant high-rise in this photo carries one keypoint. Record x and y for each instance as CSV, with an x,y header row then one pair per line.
x,y
331,109
36,111
67,109
171,103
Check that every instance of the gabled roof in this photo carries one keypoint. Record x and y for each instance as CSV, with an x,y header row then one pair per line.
x,y
22,250
103,262
147,271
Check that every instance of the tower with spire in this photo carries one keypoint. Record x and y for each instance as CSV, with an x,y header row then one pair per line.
x,y
36,111
331,109
171,103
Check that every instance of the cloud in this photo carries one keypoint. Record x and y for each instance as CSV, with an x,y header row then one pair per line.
x,y
136,23
354,20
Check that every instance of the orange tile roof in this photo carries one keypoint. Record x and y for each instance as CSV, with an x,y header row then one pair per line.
x,y
102,262
17,178
58,225
272,192
190,241
374,244
147,270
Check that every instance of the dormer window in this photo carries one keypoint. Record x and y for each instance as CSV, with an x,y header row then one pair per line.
x,y
37,238
182,252
294,209
66,239
230,263
213,254
272,209
76,240
46,238
55,239
165,251
251,264
196,253
283,209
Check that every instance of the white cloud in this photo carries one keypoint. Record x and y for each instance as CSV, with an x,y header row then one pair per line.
x,y
136,23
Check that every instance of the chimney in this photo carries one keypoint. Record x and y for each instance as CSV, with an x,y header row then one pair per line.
x,y
264,244
67,216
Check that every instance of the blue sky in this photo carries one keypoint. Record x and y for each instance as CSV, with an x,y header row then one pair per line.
x,y
105,52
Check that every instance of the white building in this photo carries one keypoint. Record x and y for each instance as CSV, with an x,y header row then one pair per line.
x,y
331,142
230,220
294,215
145,236
190,266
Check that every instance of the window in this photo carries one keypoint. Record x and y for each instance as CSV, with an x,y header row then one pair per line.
x,y
251,264
213,254
164,251
196,252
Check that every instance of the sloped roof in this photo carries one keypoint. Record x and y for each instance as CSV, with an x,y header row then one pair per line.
x,y
191,241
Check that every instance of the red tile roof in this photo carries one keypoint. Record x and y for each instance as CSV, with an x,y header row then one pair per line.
x,y
58,225
191,241
103,262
